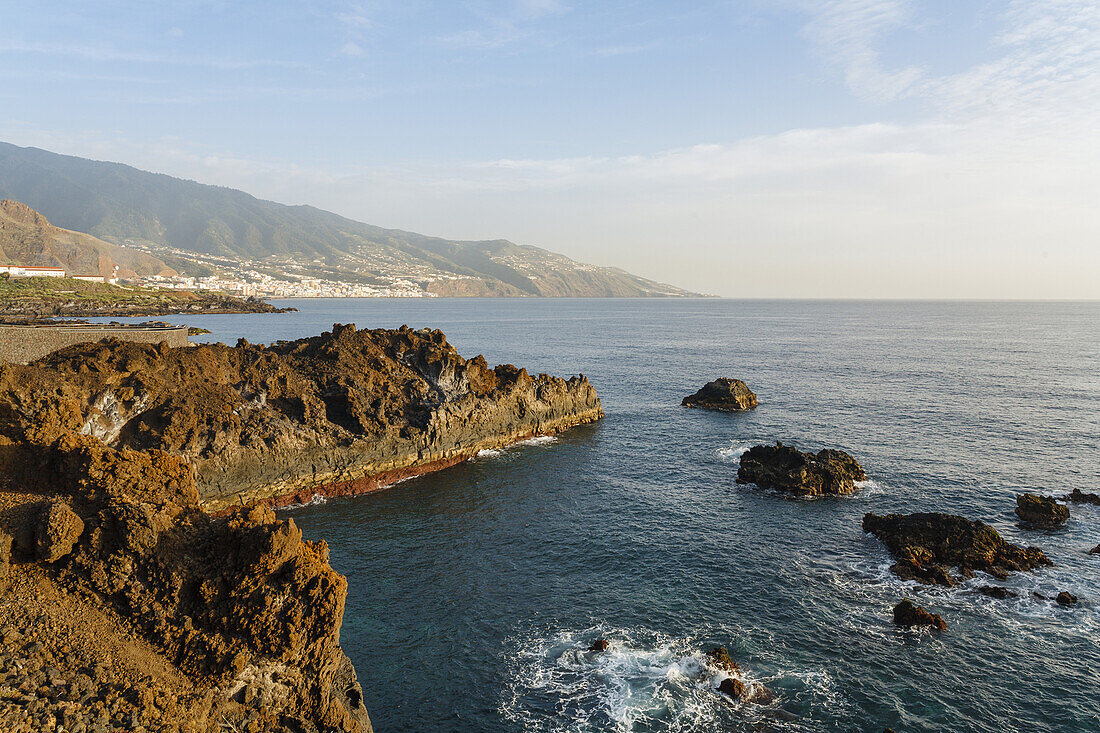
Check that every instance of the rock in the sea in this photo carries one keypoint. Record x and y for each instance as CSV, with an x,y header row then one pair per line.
x,y
1095,550
1041,511
733,687
1080,497
599,645
724,394
787,469
1065,598
927,544
996,591
719,658
908,613
58,530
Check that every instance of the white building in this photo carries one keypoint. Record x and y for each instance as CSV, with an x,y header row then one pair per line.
x,y
20,271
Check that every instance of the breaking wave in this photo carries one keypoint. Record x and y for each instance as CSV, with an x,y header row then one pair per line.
x,y
315,500
645,681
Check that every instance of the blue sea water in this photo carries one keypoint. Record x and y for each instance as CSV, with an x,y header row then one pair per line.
x,y
473,591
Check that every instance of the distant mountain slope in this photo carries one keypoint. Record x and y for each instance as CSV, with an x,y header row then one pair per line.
x,y
195,228
28,238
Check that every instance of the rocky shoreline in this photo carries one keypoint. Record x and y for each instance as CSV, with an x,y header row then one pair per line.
x,y
137,488
137,306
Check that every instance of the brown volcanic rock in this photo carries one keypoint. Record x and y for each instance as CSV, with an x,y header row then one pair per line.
x,y
1065,598
328,413
908,613
57,532
926,545
787,469
1041,511
723,394
128,444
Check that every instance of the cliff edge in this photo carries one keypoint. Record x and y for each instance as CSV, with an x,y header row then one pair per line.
x,y
145,582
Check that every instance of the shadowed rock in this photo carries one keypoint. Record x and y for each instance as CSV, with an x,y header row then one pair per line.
x,y
996,591
787,469
724,395
1080,497
908,613
925,545
1041,511
1065,598
599,645
1095,550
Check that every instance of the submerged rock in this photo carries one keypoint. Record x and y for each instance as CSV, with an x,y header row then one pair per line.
x,y
908,613
1080,497
1065,598
58,530
925,545
723,394
996,591
1041,511
787,469
599,645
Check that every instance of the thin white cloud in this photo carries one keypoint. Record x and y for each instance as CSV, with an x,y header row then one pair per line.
x,y
351,49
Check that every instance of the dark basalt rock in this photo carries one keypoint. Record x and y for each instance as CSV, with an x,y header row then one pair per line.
x,y
1065,598
599,645
996,591
927,544
1041,511
1080,497
724,394
1095,550
908,613
719,658
733,687
782,467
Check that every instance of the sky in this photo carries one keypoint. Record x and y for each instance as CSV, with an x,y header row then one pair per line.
x,y
746,148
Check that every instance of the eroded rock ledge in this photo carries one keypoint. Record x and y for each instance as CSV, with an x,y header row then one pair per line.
x,y
336,414
149,584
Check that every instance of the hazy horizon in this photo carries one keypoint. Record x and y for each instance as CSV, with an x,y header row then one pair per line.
x,y
848,149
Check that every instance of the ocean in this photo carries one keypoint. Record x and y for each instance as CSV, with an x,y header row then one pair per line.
x,y
474,591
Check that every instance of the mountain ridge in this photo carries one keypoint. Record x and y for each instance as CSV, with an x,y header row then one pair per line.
x,y
199,228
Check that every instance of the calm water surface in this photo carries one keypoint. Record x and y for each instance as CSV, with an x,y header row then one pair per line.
x,y
472,591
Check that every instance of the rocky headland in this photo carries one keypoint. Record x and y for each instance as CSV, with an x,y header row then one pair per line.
x,y
828,472
927,545
149,585
723,395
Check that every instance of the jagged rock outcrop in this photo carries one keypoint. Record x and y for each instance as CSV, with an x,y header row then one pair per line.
x,y
239,604
787,469
724,395
1081,497
926,545
139,479
339,413
1041,511
908,613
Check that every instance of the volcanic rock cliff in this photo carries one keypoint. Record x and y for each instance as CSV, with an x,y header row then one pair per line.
x,y
338,413
148,583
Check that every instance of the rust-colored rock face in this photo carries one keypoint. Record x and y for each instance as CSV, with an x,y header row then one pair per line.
x,y
336,413
150,471
927,545
781,467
